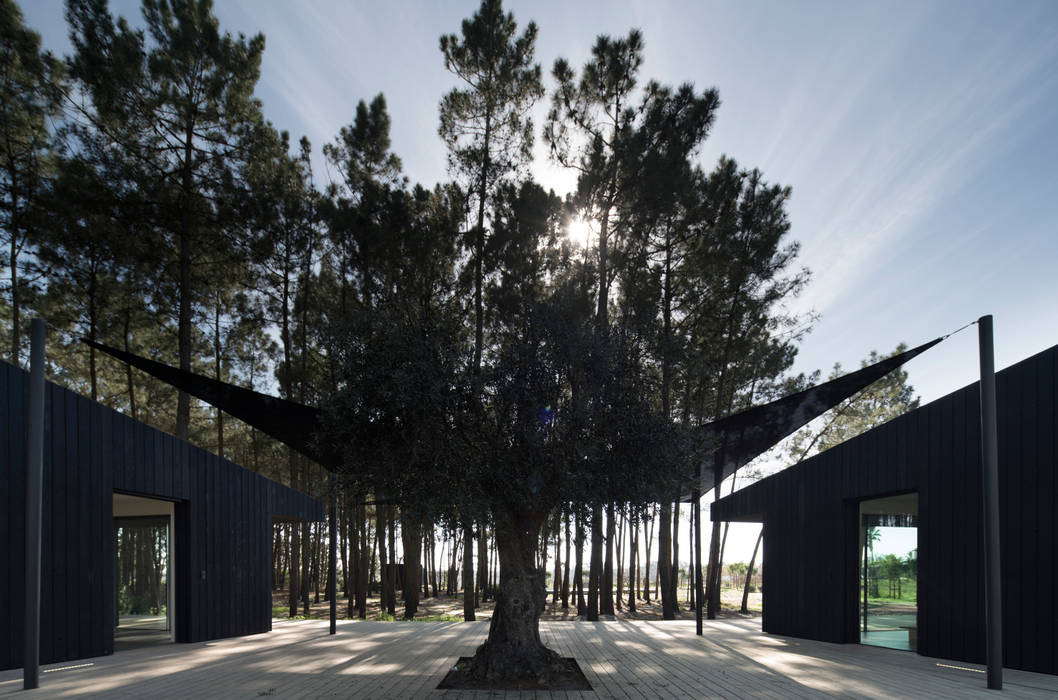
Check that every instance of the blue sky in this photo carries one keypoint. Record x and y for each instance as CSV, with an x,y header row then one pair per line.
x,y
919,139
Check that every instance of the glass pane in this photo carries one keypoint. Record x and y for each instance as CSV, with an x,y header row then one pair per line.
x,y
141,545
888,579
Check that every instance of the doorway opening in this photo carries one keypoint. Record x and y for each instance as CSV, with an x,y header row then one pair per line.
x,y
888,572
143,571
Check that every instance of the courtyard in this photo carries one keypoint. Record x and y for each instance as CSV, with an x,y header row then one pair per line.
x,y
621,659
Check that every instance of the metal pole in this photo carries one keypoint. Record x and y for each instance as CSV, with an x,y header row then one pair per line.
x,y
34,496
990,465
698,588
333,587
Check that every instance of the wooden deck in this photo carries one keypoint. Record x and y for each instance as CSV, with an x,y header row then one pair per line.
x,y
623,659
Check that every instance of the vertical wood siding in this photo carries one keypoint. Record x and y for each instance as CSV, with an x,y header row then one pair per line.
x,y
223,525
810,515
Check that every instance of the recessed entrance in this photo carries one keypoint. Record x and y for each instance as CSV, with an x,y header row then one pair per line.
x,y
888,580
143,571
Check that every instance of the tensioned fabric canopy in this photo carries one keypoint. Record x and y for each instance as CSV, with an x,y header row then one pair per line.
x,y
291,423
726,444
737,439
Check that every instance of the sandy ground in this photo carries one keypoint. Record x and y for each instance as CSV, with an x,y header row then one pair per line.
x,y
453,606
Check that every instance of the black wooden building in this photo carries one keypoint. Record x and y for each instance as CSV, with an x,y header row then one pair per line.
x,y
97,461
812,519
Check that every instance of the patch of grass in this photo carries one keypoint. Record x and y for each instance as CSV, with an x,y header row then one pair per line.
x,y
283,611
443,617
880,595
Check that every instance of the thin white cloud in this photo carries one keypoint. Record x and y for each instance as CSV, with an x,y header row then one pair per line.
x,y
894,175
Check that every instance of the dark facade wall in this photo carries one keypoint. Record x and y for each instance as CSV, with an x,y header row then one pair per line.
x,y
223,525
810,515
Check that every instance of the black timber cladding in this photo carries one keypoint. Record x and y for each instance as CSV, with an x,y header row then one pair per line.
x,y
810,514
223,525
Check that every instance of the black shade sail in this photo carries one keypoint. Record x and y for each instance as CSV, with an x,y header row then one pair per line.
x,y
289,422
726,444
735,440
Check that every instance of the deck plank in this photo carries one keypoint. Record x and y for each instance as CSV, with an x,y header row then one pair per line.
x,y
298,660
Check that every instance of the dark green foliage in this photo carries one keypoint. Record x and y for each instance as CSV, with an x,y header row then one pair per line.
x,y
398,361
175,105
588,126
31,85
486,126
889,397
489,135
478,370
362,153
485,123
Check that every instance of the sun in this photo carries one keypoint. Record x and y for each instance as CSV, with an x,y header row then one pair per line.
x,y
579,232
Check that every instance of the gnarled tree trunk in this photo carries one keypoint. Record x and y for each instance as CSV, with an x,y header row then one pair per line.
x,y
513,650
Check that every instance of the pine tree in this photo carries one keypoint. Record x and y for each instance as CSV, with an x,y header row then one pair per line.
x,y
489,134
740,276
177,101
485,124
889,397
31,85
630,149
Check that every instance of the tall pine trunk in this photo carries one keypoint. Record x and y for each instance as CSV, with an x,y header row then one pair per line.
x,y
713,575
694,571
411,539
277,558
556,580
595,563
675,580
391,576
126,335
480,595
317,561
633,560
219,375
565,570
373,559
16,307
295,542
352,573
606,603
306,560
468,570
578,575
363,570
649,531
668,600
383,563
453,571
619,554
183,401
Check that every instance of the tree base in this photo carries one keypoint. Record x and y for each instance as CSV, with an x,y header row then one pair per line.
x,y
564,674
